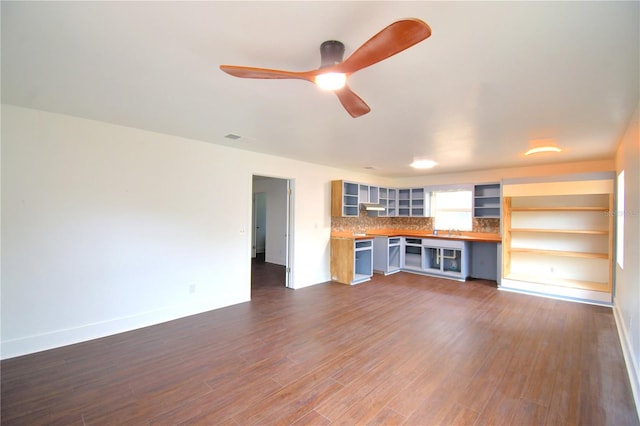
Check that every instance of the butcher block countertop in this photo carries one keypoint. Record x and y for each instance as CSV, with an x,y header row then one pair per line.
x,y
481,237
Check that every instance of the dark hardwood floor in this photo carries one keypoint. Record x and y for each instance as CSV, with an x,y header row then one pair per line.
x,y
265,274
403,349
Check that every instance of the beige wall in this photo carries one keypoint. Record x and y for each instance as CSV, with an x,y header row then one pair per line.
x,y
627,289
107,228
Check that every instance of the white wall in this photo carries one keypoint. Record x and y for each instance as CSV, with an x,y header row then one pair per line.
x,y
276,211
107,228
627,290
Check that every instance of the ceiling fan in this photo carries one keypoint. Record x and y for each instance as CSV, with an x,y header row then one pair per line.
x,y
334,71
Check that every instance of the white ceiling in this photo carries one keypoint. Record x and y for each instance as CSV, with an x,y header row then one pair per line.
x,y
492,77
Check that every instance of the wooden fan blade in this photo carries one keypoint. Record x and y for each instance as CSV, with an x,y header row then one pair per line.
x,y
391,40
352,102
250,72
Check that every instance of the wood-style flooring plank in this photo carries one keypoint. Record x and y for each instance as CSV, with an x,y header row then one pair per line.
x,y
399,350
312,418
386,417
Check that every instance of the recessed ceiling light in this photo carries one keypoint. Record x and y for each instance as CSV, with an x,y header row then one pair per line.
x,y
232,136
423,164
543,149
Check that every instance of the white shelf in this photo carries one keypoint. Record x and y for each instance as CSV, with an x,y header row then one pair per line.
x,y
358,278
560,209
586,255
561,231
561,282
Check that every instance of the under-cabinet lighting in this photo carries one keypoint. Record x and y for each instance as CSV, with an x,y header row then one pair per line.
x,y
331,80
423,164
543,149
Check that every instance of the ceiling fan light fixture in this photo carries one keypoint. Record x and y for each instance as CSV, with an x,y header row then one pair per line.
x,y
392,39
331,80
423,164
543,149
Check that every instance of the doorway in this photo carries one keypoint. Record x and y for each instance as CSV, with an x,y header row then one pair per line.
x,y
271,232
259,225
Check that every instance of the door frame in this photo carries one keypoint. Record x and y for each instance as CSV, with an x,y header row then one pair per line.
x,y
289,225
289,237
256,224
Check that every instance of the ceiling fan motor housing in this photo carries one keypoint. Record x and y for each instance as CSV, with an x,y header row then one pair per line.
x,y
331,53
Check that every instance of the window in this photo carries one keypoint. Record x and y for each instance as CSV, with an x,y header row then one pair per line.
x,y
452,210
620,221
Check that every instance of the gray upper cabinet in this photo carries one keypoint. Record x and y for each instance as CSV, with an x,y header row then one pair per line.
x,y
413,202
345,198
419,202
404,202
486,200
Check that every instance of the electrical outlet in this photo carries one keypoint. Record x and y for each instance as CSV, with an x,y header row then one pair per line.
x,y
192,288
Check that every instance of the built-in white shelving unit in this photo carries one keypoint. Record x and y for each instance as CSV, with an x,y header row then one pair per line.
x,y
557,238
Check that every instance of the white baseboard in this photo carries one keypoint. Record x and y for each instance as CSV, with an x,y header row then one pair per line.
x,y
58,338
557,292
276,260
630,358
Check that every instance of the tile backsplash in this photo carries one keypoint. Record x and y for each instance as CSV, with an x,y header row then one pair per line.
x,y
366,222
485,224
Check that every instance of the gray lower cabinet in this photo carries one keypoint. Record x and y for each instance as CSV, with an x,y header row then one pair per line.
x,y
484,261
412,254
386,254
438,257
362,261
351,260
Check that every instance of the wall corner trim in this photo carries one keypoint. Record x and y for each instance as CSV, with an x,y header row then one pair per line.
x,y
630,358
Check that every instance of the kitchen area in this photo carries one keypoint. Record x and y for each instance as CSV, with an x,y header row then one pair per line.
x,y
550,236
388,230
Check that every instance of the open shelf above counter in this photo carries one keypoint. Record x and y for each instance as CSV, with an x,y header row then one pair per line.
x,y
486,200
